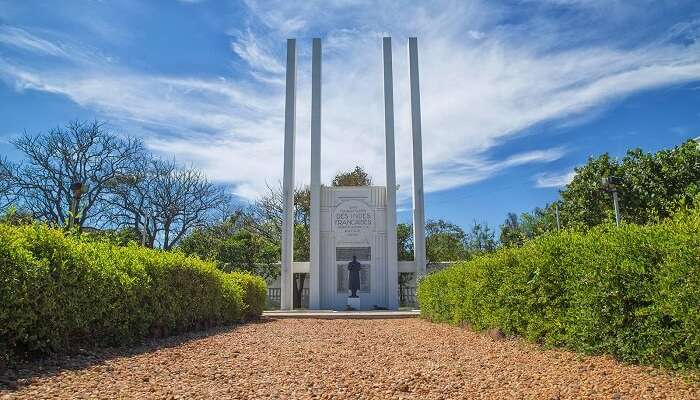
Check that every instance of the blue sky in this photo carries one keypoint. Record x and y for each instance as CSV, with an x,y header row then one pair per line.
x,y
515,93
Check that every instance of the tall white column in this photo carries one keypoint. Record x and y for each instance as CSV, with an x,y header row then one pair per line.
x,y
286,300
418,201
392,286
315,250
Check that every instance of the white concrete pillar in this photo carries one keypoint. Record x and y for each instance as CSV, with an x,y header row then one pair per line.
x,y
315,249
392,264
418,201
286,300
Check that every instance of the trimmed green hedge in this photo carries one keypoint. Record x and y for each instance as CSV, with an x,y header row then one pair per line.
x,y
633,292
58,292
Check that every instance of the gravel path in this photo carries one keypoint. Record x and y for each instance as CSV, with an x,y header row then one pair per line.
x,y
407,358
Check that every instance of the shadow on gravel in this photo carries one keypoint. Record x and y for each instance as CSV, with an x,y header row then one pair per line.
x,y
24,373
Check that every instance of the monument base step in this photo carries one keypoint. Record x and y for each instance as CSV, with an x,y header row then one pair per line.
x,y
354,304
331,314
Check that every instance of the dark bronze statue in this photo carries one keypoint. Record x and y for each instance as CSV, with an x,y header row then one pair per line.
x,y
354,267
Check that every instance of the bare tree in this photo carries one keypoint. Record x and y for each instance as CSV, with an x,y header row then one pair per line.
x,y
130,201
264,217
165,201
182,199
6,192
84,152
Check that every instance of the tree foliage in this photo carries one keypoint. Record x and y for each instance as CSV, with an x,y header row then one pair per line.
x,y
445,241
264,218
233,247
480,239
357,177
511,232
653,185
404,242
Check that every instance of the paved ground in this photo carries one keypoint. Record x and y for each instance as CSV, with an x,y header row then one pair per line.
x,y
399,358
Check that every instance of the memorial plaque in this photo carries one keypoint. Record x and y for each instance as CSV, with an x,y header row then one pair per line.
x,y
347,253
353,221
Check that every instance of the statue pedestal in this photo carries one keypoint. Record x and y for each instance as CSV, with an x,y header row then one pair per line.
x,y
354,303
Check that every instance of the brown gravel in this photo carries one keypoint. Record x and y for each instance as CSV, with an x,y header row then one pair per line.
x,y
407,358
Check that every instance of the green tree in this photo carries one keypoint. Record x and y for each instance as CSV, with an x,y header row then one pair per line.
x,y
118,237
233,247
480,239
445,241
584,203
511,231
404,242
250,252
14,216
653,186
356,177
538,222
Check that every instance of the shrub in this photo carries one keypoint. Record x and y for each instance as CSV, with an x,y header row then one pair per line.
x,y
632,291
58,292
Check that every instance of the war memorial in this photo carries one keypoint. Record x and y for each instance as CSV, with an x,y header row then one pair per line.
x,y
353,261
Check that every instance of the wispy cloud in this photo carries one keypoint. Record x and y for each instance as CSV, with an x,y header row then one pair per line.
x,y
482,80
476,169
550,180
251,49
21,39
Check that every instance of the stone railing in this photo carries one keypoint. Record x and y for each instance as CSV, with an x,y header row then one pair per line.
x,y
407,293
274,294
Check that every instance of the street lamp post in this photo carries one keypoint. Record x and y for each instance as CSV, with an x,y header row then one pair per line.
x,y
611,183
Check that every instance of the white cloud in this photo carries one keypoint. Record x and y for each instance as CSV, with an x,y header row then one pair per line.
x,y
548,180
476,34
20,38
478,168
250,49
475,93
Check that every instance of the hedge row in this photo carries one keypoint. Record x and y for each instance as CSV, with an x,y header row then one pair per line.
x,y
632,292
58,292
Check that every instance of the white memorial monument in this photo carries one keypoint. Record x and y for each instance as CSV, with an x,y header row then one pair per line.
x,y
353,252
